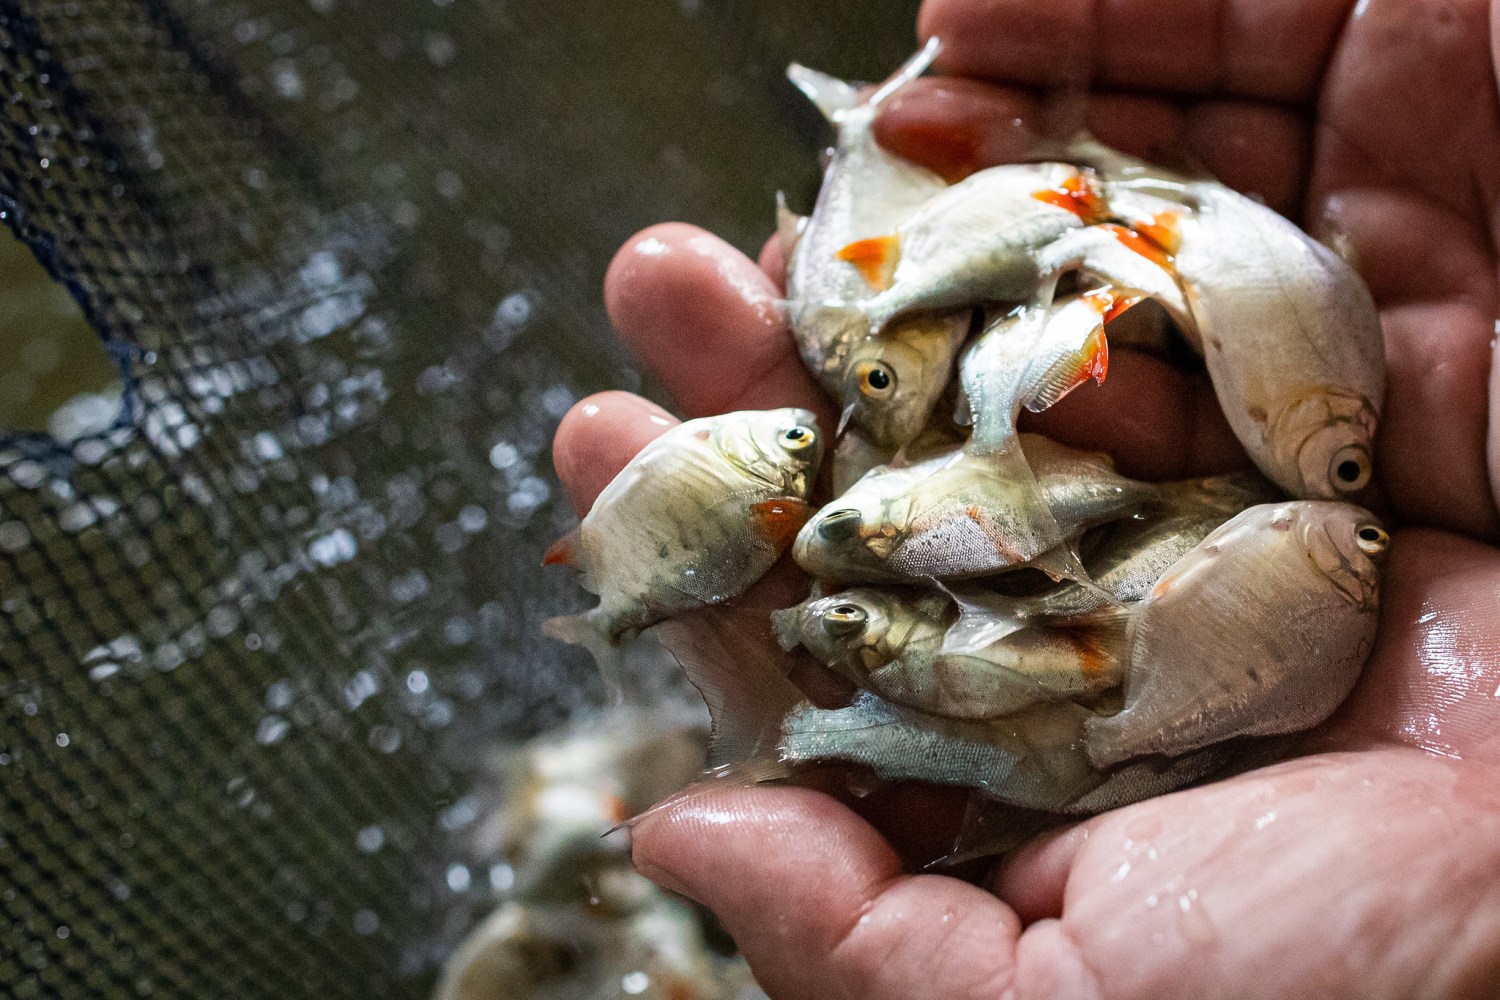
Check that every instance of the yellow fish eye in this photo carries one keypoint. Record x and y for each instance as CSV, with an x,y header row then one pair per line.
x,y
798,438
1372,539
876,379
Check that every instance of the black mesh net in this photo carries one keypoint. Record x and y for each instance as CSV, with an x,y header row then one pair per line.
x,y
265,600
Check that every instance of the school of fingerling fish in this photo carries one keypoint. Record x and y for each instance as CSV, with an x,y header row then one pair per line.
x,y
1015,616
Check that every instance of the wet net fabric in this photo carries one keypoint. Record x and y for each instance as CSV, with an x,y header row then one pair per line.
x,y
264,607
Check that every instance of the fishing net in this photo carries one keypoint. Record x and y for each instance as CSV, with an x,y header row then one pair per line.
x,y
267,590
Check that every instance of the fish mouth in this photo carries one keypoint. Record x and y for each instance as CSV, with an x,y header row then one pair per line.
x,y
840,526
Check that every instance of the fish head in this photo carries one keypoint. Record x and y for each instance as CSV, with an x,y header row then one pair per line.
x,y
836,629
1346,544
892,382
846,541
1325,440
780,447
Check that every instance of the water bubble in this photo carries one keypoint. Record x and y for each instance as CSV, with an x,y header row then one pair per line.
x,y
370,839
104,671
28,474
360,688
62,739
502,877
458,877
279,695
460,814
272,729
635,983
557,400
504,455
366,922
513,310
473,518
333,548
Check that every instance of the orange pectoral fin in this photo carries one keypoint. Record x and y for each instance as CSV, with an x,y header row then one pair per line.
x,y
779,520
1164,231
563,552
1109,305
1079,195
875,258
1091,361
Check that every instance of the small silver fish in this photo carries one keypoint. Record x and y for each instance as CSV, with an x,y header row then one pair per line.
x,y
1287,328
695,518
1033,758
1128,557
1262,628
575,951
976,241
1031,358
559,794
866,192
959,515
890,642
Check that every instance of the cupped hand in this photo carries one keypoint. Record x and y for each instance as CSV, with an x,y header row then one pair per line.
x,y
1370,867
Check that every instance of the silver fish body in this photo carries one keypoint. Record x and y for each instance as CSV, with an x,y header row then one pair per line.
x,y
1033,758
890,642
1029,359
1262,628
1288,331
1127,557
695,518
959,515
866,192
976,241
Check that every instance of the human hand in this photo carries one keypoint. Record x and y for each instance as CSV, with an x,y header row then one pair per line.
x,y
1369,867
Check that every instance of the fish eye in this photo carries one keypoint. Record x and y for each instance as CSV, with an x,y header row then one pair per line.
x,y
1372,539
1351,469
845,619
876,379
799,438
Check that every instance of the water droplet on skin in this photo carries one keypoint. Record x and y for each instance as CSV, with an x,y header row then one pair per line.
x,y
1121,872
1192,920
1265,820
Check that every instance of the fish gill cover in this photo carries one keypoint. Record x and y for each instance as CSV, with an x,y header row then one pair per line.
x,y
265,602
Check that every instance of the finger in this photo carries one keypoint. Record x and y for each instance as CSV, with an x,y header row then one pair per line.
x,y
596,439
773,262
1157,421
816,901
957,126
1433,680
1245,48
1033,879
707,321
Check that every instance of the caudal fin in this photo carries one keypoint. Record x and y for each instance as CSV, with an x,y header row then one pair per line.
x,y
836,98
585,630
732,656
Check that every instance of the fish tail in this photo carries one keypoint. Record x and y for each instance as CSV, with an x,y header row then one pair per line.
x,y
733,657
589,631
919,62
835,98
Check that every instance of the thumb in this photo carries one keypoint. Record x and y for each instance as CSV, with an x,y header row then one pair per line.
x,y
817,902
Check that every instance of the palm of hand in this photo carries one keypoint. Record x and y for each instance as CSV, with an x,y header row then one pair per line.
x,y
1365,869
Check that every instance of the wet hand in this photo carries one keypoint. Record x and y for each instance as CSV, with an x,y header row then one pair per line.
x,y
1366,868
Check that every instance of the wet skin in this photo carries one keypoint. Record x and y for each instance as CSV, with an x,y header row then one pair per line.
x,y
1370,867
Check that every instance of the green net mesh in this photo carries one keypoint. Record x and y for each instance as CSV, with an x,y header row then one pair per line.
x,y
265,600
